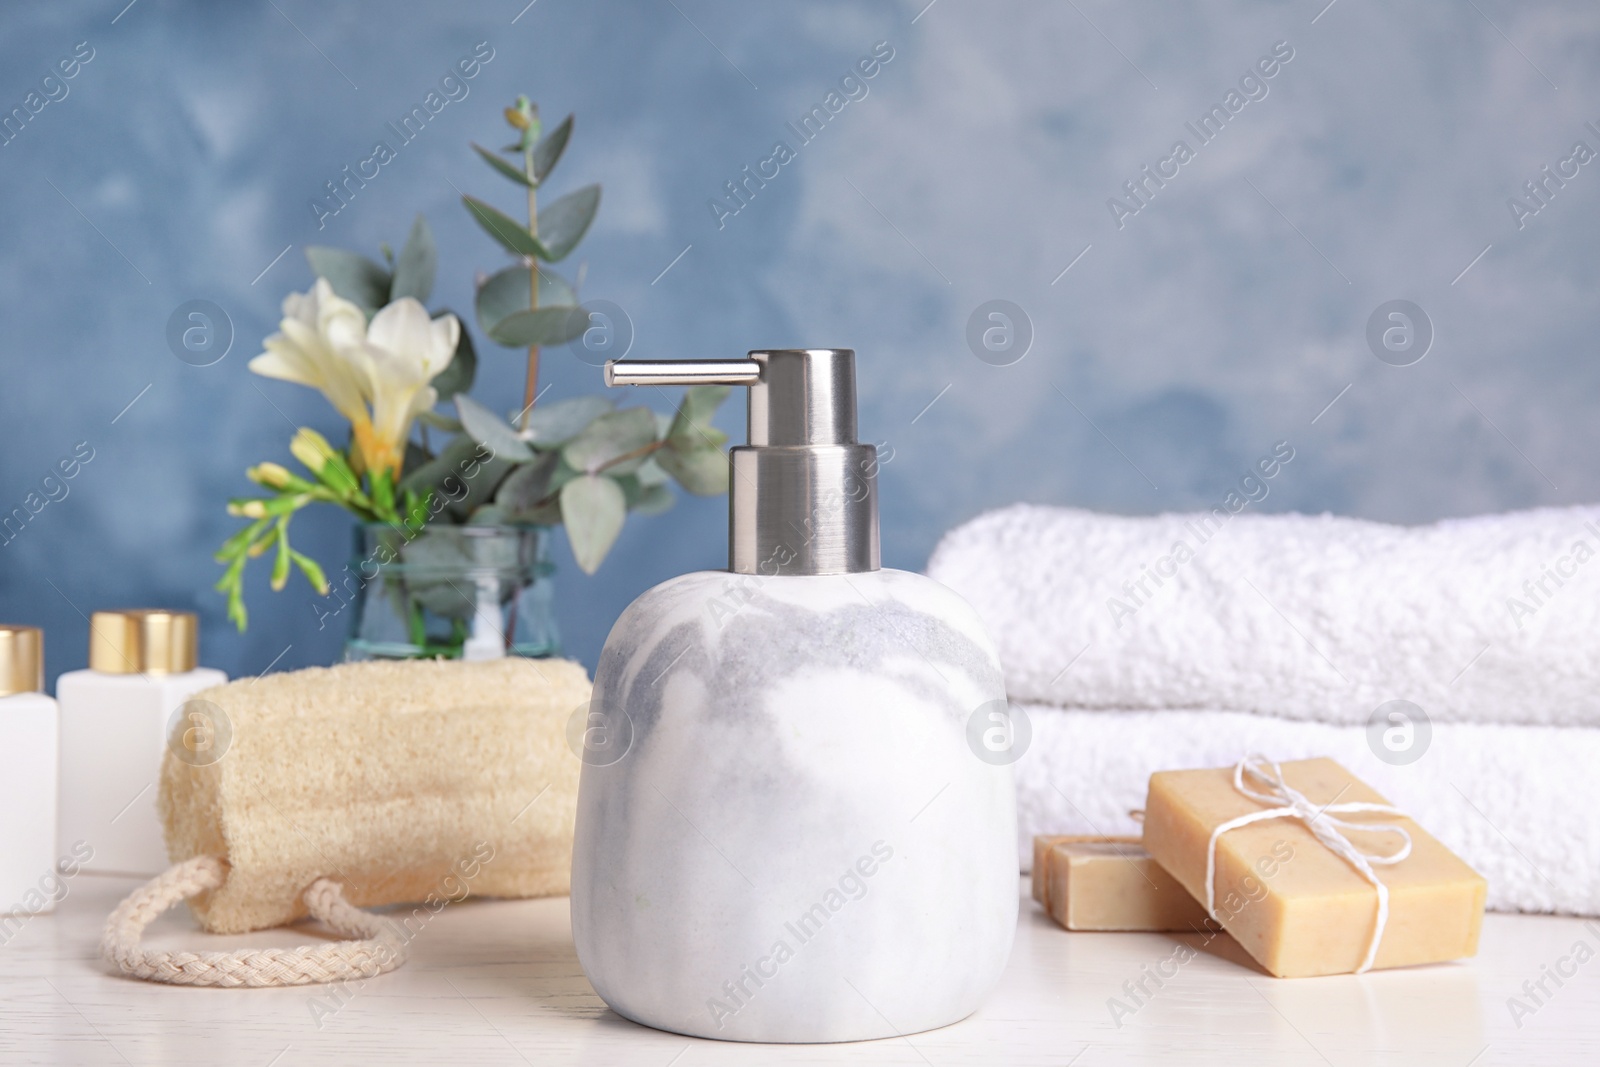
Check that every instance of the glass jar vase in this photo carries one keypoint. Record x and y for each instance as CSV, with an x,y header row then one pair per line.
x,y
452,592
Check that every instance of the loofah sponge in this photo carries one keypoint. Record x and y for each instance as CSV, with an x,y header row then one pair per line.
x,y
403,781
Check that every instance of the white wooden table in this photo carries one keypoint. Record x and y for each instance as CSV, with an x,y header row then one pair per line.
x,y
497,982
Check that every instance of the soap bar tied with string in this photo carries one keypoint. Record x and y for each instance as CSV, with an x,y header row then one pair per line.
x,y
1311,870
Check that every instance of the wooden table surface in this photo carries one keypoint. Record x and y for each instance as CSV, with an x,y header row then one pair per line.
x,y
497,982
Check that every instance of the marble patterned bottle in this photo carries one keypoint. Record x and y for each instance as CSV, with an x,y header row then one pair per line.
x,y
784,832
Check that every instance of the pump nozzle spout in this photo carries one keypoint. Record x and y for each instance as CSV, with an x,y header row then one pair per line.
x,y
682,372
803,498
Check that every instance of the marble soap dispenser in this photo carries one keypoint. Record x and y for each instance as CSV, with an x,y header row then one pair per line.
x,y
787,830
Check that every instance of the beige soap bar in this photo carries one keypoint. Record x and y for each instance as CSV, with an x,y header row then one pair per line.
x,y
1042,844
1297,907
1112,883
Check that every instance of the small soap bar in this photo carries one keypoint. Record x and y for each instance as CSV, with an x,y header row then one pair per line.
x,y
1042,844
1296,906
1112,883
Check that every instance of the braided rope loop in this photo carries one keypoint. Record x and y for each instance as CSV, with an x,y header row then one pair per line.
x,y
375,944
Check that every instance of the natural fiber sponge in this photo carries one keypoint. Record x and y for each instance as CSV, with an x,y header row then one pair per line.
x,y
406,781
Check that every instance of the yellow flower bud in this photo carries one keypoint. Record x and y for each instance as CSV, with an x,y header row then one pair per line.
x,y
270,475
311,449
250,509
516,118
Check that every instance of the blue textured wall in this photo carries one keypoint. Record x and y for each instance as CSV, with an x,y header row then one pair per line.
x,y
1221,316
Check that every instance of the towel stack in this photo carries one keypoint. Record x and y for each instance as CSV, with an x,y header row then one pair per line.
x,y
1144,644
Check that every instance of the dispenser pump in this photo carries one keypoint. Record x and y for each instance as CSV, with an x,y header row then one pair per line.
x,y
803,496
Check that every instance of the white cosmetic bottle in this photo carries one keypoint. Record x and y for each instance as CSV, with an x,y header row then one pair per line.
x,y
115,720
27,778
786,831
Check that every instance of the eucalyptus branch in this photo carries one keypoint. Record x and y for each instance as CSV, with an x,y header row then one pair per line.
x,y
530,392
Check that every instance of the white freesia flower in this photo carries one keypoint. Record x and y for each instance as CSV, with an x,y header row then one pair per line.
x,y
404,351
375,375
318,327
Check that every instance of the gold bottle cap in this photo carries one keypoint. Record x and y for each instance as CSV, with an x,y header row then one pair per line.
x,y
21,660
144,641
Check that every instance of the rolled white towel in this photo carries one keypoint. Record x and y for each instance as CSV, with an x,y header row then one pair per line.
x,y
1488,619
1513,801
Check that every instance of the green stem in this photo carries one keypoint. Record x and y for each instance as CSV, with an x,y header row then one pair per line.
x,y
531,389
419,629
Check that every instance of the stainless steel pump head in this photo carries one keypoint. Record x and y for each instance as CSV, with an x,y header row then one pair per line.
x,y
803,496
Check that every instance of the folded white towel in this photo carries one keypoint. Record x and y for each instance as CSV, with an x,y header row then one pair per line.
x,y
1489,619
1513,801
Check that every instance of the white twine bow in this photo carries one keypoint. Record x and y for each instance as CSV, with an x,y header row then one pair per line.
x,y
1286,802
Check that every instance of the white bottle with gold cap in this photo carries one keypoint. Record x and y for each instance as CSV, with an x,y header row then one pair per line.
x,y
27,778
115,719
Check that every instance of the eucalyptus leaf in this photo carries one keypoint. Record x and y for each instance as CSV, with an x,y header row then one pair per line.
x,y
439,422
702,471
555,424
487,428
564,474
354,277
547,153
646,499
650,473
506,169
654,499
700,402
526,486
563,223
698,435
419,259
505,229
544,515
610,436
449,474
463,368
481,486
415,456
434,562
544,326
593,508
506,292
